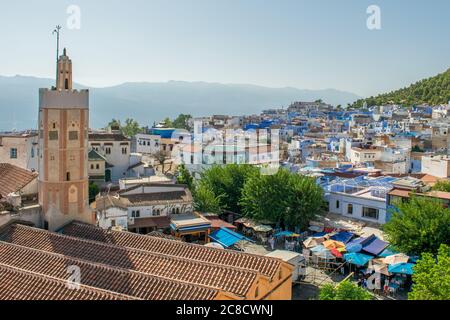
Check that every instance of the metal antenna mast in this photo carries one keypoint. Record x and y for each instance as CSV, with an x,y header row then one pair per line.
x,y
56,31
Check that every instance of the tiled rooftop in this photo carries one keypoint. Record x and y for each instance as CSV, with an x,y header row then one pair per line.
x,y
177,264
17,284
264,265
13,178
135,284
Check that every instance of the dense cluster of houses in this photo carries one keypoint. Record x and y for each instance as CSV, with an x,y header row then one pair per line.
x,y
363,159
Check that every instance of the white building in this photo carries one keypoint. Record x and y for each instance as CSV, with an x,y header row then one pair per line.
x,y
143,208
368,204
361,198
115,147
147,143
20,149
364,155
438,166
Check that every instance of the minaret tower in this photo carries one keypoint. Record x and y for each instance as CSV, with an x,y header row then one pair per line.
x,y
63,145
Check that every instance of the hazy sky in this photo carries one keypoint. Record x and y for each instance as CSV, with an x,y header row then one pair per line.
x,y
310,44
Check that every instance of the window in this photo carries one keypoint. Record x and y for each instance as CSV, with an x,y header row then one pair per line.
x,y
73,135
92,167
124,150
135,214
32,152
350,208
97,166
178,210
53,135
113,223
13,153
337,204
68,176
370,213
108,150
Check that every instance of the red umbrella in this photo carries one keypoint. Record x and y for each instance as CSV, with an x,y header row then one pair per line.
x,y
336,253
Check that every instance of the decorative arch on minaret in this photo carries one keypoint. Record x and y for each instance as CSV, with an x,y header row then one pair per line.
x,y
73,194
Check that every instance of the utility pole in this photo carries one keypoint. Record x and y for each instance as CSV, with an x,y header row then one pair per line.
x,y
57,31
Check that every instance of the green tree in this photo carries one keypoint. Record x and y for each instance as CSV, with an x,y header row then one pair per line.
x,y
416,149
434,90
442,185
431,278
345,290
227,183
168,123
131,128
419,225
206,201
93,191
181,122
114,123
184,177
283,197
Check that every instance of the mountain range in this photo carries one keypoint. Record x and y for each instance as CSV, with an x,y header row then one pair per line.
x,y
150,102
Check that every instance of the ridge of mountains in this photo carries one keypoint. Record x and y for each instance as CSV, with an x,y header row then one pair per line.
x,y
151,102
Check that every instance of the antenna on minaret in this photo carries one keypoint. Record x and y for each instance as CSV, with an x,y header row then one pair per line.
x,y
56,31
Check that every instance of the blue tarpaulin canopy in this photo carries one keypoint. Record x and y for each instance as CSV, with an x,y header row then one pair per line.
x,y
355,245
284,234
226,237
402,268
389,251
319,235
374,245
342,236
358,259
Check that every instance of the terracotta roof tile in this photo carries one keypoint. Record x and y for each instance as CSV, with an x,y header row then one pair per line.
x,y
118,280
13,178
223,277
17,284
264,265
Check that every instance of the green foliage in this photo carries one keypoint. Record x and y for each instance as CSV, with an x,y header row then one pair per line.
x,y
227,182
434,91
205,200
93,191
184,177
114,123
282,197
130,128
432,279
442,185
345,290
420,225
168,123
181,122
416,149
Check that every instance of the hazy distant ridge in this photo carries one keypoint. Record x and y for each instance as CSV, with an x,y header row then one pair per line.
x,y
148,102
